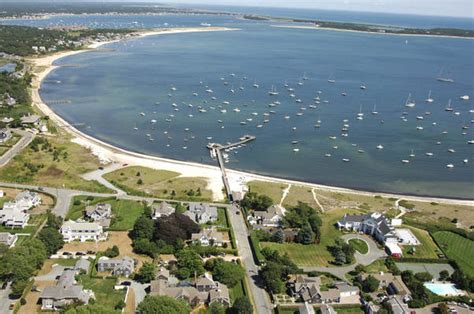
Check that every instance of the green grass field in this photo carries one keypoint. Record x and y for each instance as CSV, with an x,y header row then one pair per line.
x,y
160,183
272,190
314,254
427,248
4,147
300,194
125,212
457,248
104,291
359,245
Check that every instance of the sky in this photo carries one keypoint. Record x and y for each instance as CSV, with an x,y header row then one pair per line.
x,y
461,8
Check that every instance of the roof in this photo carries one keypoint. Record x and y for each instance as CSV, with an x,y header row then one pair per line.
x,y
205,280
81,225
210,233
57,293
327,309
26,195
99,208
220,292
163,208
393,248
353,218
30,119
306,308
344,287
82,264
67,278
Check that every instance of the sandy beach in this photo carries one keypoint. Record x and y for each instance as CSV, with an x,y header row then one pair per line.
x,y
109,153
365,32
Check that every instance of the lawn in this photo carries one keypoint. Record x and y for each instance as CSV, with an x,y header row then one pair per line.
x,y
160,183
104,291
4,147
376,267
300,194
272,190
359,245
124,212
32,226
237,291
337,200
457,248
38,167
427,247
314,254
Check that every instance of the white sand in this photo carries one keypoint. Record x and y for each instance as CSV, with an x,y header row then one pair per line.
x,y
108,153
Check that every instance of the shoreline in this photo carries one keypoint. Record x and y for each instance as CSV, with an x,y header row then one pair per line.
x,y
367,32
111,153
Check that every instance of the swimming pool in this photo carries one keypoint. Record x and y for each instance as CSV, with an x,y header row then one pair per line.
x,y
445,289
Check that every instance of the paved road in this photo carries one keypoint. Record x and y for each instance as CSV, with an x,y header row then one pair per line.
x,y
371,256
260,297
5,300
55,272
26,139
139,290
97,176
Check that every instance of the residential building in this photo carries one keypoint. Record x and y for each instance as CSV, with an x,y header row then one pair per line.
x,y
270,218
82,265
27,199
398,307
201,213
82,231
8,239
14,218
64,292
30,120
208,237
307,289
98,212
371,308
375,224
393,249
118,266
203,290
162,210
5,135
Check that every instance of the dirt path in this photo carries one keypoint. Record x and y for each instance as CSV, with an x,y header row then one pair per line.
x,y
316,200
285,194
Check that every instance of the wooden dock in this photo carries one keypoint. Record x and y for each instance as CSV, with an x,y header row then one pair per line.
x,y
216,149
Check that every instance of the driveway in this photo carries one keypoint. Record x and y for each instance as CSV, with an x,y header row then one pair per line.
x,y
5,300
97,176
371,256
55,272
25,140
140,291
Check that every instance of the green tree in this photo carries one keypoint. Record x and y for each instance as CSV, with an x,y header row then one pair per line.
x,y
443,308
146,273
305,235
271,275
217,308
112,252
162,305
17,288
242,305
188,263
256,202
91,309
143,228
370,284
423,276
228,273
53,220
278,236
52,239
443,275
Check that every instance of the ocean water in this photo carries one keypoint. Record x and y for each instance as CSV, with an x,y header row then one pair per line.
x,y
110,88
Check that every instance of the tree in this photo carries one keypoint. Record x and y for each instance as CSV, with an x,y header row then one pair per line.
x,y
140,182
424,276
143,228
443,275
443,308
305,235
91,309
162,305
370,284
256,202
18,287
278,236
53,220
146,273
242,305
52,239
271,275
112,252
188,263
217,308
174,227
145,246
228,273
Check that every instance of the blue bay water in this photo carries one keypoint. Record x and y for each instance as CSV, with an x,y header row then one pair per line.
x,y
110,88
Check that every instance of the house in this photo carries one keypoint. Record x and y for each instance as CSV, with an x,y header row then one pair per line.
x,y
269,218
371,308
345,290
5,135
306,308
30,120
26,200
308,290
375,224
201,213
64,292
208,237
82,265
398,307
162,210
82,231
203,290
8,239
14,218
393,250
98,212
118,266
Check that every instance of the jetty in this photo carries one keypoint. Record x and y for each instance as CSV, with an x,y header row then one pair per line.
x,y
216,152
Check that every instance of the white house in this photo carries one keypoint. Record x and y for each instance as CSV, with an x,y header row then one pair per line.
x,y
27,199
82,231
375,224
207,237
162,210
270,218
8,239
14,218
99,211
201,213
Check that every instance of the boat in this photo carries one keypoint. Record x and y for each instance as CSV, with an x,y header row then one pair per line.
x,y
452,151
210,91
346,159
464,97
405,161
260,126
419,118
444,79
205,24
296,150
419,128
429,99
470,142
327,155
409,103
412,154
236,110
450,166
142,114
343,94
361,151
379,146
153,121
362,87
448,108
273,91
255,84
374,111
305,77
243,123
465,161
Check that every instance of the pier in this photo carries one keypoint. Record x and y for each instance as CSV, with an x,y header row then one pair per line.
x,y
216,151
58,101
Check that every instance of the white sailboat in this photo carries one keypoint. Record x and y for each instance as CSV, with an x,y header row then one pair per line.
x,y
444,79
429,99
273,91
410,103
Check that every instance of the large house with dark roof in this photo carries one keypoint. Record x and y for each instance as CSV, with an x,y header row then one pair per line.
x,y
201,213
375,224
308,289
